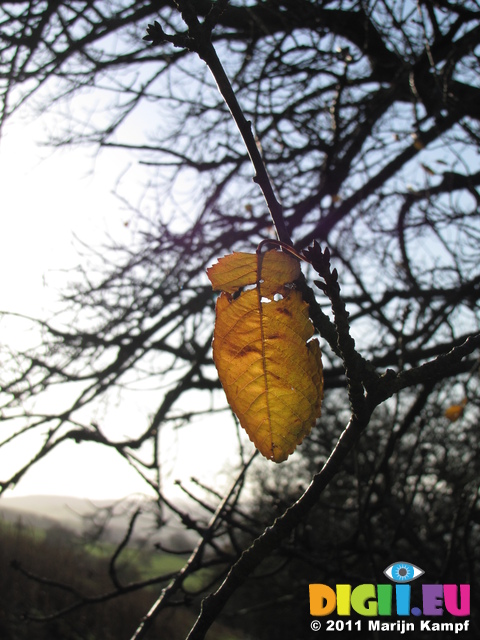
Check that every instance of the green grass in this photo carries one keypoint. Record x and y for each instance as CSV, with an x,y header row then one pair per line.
x,y
150,564
18,527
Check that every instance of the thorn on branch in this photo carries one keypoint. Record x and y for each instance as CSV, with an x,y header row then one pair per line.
x,y
155,34
321,285
355,369
320,261
198,34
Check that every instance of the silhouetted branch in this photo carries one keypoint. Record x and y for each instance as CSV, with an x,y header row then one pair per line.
x,y
193,562
263,546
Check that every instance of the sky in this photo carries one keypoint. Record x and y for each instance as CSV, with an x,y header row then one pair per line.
x,y
47,197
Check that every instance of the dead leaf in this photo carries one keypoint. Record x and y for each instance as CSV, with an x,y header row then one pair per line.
x,y
455,411
271,375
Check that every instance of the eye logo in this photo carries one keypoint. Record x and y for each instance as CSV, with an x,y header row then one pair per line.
x,y
403,572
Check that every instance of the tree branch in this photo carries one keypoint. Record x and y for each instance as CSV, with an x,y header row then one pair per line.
x,y
263,546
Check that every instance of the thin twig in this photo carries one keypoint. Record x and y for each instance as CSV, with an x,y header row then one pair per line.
x,y
83,600
193,562
271,538
125,540
209,55
198,39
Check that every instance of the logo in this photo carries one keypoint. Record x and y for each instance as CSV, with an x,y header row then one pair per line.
x,y
383,600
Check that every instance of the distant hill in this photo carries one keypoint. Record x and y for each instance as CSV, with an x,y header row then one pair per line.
x,y
30,558
35,510
81,515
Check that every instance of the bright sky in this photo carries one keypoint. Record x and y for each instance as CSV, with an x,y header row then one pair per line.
x,y
45,197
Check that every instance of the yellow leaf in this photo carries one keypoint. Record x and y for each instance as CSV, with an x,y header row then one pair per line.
x,y
455,411
271,375
238,270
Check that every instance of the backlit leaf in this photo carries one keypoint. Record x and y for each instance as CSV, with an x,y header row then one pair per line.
x,y
271,375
